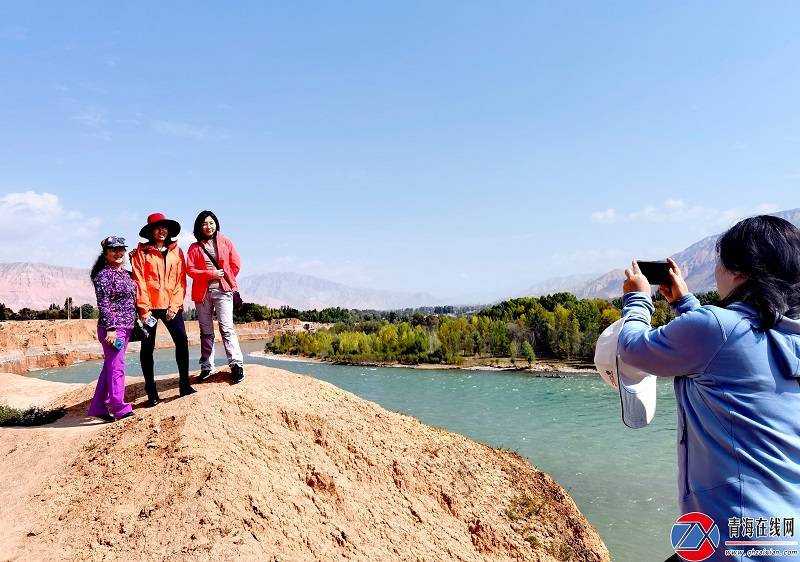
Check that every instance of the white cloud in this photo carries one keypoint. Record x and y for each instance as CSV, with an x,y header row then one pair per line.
x,y
36,227
604,217
679,211
180,130
92,117
185,239
94,121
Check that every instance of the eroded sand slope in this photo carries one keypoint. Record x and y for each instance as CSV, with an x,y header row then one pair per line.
x,y
281,467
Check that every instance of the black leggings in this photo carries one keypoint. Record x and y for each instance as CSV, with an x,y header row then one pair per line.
x,y
177,329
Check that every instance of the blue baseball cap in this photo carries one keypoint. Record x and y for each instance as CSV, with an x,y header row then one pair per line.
x,y
113,242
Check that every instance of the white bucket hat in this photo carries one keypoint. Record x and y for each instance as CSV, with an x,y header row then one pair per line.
x,y
637,389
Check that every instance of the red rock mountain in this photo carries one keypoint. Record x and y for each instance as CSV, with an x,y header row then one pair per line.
x,y
38,285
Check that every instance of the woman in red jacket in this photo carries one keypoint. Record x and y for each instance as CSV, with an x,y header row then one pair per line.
x,y
213,264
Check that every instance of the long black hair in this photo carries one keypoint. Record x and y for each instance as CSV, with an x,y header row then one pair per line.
x,y
198,225
766,250
99,264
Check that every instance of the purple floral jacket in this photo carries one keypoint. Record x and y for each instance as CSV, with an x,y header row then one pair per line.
x,y
116,298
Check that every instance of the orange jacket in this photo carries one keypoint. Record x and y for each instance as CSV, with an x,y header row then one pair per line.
x,y
160,284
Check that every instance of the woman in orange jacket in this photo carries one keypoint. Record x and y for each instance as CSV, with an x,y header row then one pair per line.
x,y
159,271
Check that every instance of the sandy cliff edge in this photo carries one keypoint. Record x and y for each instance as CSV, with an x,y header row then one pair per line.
x,y
42,344
281,467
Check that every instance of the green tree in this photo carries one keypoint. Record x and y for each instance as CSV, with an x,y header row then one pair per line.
x,y
501,343
662,313
527,352
566,332
608,317
709,297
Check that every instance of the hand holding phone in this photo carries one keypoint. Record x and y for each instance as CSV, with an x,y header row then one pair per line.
x,y
676,288
110,336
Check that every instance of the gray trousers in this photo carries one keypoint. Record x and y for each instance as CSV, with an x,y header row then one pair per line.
x,y
222,303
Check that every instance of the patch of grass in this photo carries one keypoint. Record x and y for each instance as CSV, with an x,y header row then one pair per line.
x,y
31,416
510,452
523,506
562,552
533,541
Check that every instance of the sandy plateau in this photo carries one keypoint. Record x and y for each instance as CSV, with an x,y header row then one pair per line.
x,y
282,467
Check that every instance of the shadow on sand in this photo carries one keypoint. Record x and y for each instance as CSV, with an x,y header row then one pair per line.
x,y
75,414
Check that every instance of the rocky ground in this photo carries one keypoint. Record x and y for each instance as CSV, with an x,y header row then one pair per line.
x,y
281,468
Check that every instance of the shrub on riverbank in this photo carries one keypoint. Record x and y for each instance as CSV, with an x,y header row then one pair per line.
x,y
32,416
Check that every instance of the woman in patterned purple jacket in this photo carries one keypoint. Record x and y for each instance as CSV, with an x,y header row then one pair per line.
x,y
116,300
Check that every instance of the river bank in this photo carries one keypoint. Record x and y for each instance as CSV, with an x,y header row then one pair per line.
x,y
537,368
33,345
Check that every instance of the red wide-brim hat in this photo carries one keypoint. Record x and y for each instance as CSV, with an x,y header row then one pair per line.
x,y
157,219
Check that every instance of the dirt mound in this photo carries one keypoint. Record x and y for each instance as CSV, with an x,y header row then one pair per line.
x,y
285,467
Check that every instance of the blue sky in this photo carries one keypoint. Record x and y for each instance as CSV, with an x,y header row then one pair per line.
x,y
458,148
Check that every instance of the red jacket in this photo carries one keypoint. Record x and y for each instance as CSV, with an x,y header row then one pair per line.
x,y
227,258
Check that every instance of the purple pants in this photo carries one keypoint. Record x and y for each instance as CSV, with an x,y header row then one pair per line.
x,y
109,394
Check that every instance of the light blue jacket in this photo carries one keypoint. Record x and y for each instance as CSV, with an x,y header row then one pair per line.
x,y
738,394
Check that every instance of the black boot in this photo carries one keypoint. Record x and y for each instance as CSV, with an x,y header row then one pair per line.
x,y
237,374
204,375
150,389
183,383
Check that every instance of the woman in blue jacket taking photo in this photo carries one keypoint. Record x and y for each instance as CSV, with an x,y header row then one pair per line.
x,y
736,370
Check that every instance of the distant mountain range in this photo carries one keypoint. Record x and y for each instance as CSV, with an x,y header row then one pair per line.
x,y
570,283
307,292
38,285
697,262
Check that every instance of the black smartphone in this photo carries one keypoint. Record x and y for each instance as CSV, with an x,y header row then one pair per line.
x,y
657,272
